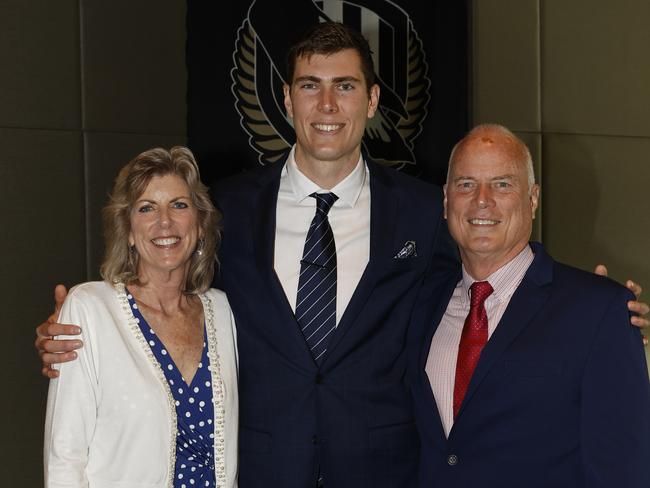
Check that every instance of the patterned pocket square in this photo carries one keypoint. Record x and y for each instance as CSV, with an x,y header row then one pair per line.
x,y
408,251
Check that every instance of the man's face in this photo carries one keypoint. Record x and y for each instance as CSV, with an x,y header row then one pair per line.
x,y
487,201
329,104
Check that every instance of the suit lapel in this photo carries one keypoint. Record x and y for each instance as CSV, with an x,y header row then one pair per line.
x,y
263,232
264,211
527,300
437,298
383,213
435,304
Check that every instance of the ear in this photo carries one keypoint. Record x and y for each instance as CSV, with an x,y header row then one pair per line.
x,y
373,102
534,198
131,239
287,100
444,200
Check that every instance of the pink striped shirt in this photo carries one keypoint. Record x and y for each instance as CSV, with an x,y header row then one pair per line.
x,y
441,363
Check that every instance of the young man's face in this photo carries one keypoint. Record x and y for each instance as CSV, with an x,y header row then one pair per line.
x,y
329,104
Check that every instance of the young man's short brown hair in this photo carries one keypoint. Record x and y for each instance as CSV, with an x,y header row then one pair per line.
x,y
330,38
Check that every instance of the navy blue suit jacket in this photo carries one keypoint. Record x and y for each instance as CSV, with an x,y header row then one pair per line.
x,y
559,398
351,418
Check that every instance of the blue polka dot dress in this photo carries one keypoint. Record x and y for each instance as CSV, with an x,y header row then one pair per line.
x,y
194,412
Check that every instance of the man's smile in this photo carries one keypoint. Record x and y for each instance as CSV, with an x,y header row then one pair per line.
x,y
327,127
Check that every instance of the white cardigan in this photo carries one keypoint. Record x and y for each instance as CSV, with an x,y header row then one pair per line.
x,y
111,419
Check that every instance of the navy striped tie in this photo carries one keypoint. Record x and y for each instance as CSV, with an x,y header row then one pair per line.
x,y
316,300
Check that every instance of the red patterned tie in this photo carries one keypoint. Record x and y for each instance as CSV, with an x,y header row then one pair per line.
x,y
472,341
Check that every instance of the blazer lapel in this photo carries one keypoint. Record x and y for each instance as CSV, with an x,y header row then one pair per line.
x,y
439,289
264,211
527,300
383,214
435,304
263,233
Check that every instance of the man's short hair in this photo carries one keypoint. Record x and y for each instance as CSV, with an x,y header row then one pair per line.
x,y
330,38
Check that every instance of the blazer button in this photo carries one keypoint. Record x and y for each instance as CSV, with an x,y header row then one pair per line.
x,y
319,379
452,460
314,439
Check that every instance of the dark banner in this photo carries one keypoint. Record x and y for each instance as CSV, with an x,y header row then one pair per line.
x,y
236,57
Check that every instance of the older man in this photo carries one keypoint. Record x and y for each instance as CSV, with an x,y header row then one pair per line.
x,y
526,374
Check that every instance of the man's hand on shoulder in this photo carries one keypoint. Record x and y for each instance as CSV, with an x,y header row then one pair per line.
x,y
51,350
641,320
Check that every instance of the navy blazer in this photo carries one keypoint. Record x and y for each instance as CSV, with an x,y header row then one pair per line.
x,y
560,395
351,418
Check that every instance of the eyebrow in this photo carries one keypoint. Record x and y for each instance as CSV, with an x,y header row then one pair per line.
x,y
316,79
143,200
495,178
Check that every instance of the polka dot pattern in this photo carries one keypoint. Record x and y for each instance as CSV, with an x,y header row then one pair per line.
x,y
472,340
194,412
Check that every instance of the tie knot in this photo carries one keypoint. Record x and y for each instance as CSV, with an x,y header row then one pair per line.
x,y
324,201
480,290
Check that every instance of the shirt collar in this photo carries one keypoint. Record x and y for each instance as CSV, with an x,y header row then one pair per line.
x,y
505,280
347,190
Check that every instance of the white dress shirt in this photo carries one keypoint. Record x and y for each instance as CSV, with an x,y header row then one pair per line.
x,y
441,363
349,218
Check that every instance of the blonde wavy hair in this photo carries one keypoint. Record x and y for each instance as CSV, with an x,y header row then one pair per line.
x,y
120,262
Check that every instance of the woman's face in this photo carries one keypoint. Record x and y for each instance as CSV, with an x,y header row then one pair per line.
x,y
164,227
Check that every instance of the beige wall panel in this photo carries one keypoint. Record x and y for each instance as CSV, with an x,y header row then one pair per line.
x,y
41,183
595,203
534,142
134,66
596,72
506,63
105,155
39,55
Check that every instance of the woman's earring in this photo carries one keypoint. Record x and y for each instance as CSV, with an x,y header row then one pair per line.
x,y
199,247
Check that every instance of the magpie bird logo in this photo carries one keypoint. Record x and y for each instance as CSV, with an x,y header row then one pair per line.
x,y
264,39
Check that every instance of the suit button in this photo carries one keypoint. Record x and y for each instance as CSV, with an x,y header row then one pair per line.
x,y
314,439
452,460
319,379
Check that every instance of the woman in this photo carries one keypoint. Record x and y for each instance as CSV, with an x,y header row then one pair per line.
x,y
152,402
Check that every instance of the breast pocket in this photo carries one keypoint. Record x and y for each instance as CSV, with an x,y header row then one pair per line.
x,y
406,263
398,274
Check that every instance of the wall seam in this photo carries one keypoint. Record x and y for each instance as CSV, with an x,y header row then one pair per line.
x,y
540,108
539,66
471,57
84,139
